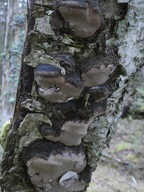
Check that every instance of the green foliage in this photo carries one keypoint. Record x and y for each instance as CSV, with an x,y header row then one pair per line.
x,y
122,146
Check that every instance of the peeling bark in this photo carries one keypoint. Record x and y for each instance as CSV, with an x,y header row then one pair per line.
x,y
75,74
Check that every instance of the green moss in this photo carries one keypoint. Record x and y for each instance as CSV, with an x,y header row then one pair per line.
x,y
28,130
130,157
4,132
122,146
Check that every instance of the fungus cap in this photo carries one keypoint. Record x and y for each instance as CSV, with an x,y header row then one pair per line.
x,y
83,19
44,174
53,86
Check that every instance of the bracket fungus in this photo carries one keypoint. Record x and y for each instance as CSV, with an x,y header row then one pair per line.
x,y
54,87
56,169
97,70
98,93
71,132
84,19
67,62
56,22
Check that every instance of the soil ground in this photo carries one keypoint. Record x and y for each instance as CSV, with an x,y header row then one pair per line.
x,y
121,168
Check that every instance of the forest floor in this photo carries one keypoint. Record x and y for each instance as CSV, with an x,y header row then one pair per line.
x,y
121,168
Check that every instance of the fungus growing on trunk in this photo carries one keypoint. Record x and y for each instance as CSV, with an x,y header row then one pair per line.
x,y
54,87
71,132
67,62
56,22
83,19
96,71
98,93
53,167
95,77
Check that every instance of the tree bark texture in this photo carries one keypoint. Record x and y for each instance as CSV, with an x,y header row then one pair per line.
x,y
81,59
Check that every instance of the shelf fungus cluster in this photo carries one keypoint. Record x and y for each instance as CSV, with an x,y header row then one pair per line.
x,y
70,90
57,88
86,86
71,132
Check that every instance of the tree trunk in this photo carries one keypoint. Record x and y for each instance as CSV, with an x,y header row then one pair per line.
x,y
2,32
81,59
12,50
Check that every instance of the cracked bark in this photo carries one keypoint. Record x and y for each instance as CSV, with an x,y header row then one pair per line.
x,y
81,59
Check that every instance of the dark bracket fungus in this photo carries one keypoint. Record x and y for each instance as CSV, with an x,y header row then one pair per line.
x,y
46,70
65,108
71,132
95,77
58,171
112,8
51,131
56,22
75,130
67,62
54,87
83,19
97,71
98,93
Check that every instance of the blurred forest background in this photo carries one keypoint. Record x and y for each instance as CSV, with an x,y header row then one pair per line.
x,y
121,168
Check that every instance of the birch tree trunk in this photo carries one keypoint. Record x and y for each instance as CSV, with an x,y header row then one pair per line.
x,y
12,49
81,59
2,29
